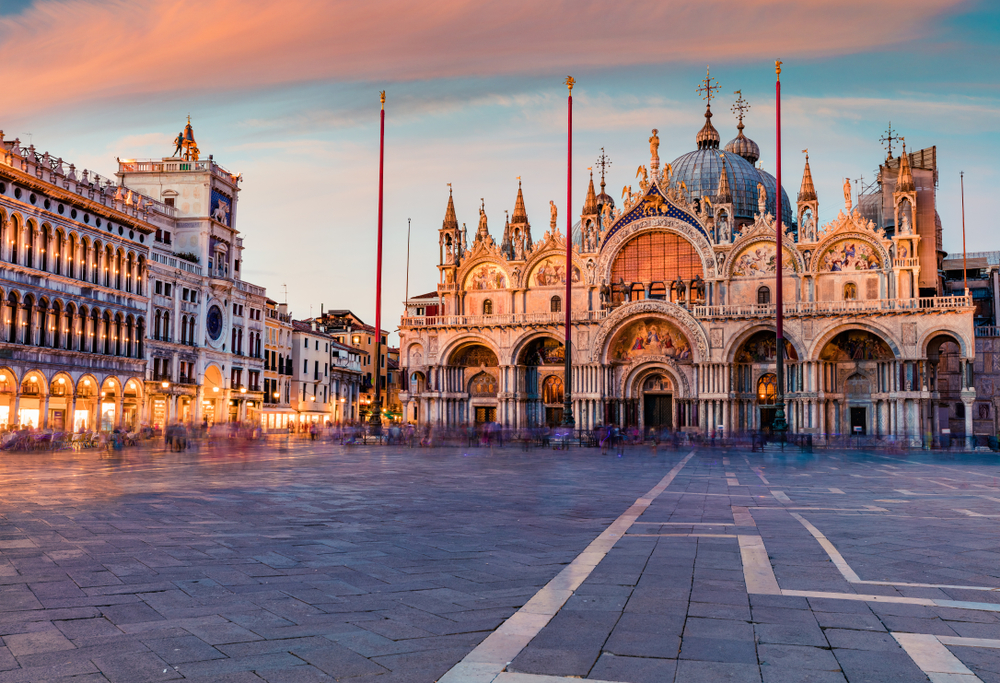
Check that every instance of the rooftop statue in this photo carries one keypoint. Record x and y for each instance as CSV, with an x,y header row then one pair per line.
x,y
654,145
553,212
847,194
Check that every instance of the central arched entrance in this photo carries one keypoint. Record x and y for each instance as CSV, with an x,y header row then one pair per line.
x,y
657,392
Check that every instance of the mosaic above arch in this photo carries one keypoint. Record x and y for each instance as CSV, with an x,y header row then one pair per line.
x,y
486,276
551,271
759,259
849,255
649,337
856,345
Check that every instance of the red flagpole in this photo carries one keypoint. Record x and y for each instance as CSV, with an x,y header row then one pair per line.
x,y
568,420
779,424
376,417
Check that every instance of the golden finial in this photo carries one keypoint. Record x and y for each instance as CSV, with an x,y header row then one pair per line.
x,y
449,188
381,97
777,68
570,82
189,119
806,152
707,87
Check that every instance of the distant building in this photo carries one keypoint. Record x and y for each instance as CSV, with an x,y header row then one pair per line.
x,y
347,328
206,324
74,300
345,381
311,373
983,277
278,368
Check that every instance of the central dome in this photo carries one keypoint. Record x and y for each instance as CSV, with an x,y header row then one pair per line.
x,y
700,171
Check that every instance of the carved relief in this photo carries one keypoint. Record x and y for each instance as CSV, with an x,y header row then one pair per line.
x,y
678,315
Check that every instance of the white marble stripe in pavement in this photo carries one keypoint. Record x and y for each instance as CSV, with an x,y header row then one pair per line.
x,y
852,577
934,659
757,571
486,662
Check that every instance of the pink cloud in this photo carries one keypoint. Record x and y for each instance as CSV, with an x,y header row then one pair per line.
x,y
62,51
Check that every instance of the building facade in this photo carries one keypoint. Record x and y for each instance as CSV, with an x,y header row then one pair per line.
x,y
311,373
278,370
673,309
206,324
74,252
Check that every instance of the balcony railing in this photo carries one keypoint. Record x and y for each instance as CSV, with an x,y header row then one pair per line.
x,y
500,319
987,331
791,309
808,308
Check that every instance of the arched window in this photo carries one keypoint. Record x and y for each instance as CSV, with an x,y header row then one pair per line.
x,y
166,336
552,389
767,389
184,329
487,307
156,325
850,292
764,295
555,304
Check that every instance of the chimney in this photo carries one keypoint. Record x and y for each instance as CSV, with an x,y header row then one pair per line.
x,y
321,314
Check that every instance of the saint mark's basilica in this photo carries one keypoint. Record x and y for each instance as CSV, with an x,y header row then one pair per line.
x,y
672,306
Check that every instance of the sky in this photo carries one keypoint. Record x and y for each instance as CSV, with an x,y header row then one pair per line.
x,y
287,94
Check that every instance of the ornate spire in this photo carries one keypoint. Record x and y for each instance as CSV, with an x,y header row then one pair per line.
x,y
904,183
450,219
807,192
708,137
507,246
520,214
741,144
590,203
724,195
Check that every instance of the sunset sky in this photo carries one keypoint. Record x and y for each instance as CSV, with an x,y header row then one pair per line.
x,y
287,93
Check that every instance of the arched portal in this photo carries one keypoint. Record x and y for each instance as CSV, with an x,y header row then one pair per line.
x,y
755,379
857,364
542,360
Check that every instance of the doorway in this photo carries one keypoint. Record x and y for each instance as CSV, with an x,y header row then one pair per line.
x,y
767,419
657,411
859,421
553,416
484,414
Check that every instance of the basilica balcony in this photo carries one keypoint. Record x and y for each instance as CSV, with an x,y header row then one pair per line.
x,y
803,309
544,318
905,262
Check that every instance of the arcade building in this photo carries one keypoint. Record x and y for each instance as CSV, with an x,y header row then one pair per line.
x,y
673,307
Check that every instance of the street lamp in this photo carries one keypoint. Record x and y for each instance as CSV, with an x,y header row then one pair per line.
x,y
165,385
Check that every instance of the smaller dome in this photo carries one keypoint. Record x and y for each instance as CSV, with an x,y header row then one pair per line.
x,y
708,137
605,199
743,146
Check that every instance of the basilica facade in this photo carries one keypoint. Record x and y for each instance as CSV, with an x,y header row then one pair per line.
x,y
673,315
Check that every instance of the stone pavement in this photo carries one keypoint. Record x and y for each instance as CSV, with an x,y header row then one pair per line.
x,y
389,564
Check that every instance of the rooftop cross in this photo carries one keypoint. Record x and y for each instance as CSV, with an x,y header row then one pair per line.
x,y
604,162
741,107
707,89
888,139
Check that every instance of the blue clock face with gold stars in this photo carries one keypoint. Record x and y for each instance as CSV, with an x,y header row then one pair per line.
x,y
214,323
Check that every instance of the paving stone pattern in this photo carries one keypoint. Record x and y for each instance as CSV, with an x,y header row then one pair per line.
x,y
390,564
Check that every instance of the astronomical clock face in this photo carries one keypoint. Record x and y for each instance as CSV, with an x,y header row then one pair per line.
x,y
214,322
